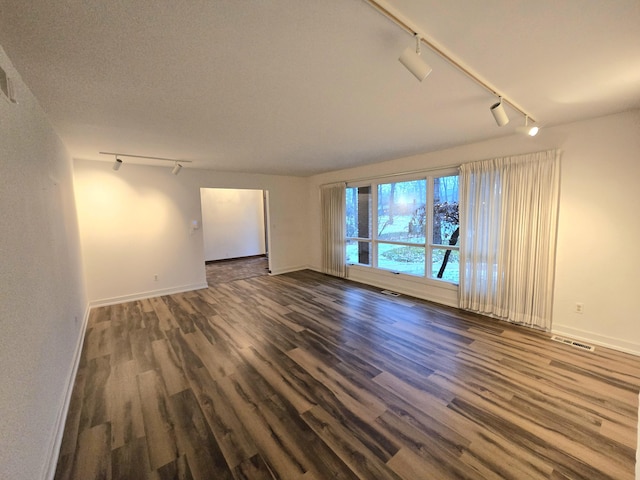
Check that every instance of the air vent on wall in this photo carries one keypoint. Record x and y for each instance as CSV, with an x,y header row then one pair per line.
x,y
573,343
390,293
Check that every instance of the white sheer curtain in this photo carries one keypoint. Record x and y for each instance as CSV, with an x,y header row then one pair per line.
x,y
332,201
508,219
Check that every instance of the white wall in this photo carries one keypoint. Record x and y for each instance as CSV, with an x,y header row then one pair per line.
x,y
597,258
42,297
232,223
136,223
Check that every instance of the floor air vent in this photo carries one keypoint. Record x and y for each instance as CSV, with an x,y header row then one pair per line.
x,y
573,343
390,293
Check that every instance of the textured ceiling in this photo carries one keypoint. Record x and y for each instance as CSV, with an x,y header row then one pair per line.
x,y
292,87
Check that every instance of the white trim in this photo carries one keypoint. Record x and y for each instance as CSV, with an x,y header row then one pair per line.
x,y
280,271
604,341
142,295
411,174
58,431
423,282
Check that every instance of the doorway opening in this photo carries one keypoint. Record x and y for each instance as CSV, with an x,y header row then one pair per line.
x,y
235,230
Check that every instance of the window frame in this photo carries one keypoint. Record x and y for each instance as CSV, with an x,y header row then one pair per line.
x,y
371,221
429,246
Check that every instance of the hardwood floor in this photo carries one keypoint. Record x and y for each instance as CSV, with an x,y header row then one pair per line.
x,y
223,271
311,377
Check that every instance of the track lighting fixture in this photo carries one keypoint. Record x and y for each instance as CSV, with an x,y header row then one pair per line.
x,y
500,116
531,130
118,163
414,63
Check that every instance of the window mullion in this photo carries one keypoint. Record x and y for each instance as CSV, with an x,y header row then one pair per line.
x,y
428,254
374,225
404,244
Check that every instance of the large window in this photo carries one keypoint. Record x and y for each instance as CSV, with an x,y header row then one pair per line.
x,y
414,229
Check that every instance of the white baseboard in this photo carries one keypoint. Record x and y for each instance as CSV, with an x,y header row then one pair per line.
x,y
597,339
58,431
142,295
280,271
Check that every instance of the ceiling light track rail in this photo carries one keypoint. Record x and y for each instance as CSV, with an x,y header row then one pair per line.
x,y
392,14
117,154
118,161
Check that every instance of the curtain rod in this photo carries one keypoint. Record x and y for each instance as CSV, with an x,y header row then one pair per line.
x,y
399,19
434,169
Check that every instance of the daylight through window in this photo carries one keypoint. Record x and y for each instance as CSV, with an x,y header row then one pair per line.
x,y
414,230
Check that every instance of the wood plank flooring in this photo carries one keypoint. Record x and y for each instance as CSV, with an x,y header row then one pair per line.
x,y
304,376
223,271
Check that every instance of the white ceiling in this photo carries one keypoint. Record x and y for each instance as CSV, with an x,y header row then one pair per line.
x,y
301,87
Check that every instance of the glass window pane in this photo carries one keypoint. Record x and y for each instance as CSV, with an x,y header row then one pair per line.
x,y
401,211
445,210
358,212
401,258
358,253
446,266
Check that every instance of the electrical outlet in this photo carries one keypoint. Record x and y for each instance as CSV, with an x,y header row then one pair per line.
x,y
579,307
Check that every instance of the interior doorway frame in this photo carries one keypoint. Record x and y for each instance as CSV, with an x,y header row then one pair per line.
x,y
265,216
